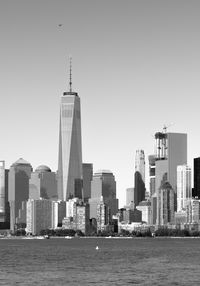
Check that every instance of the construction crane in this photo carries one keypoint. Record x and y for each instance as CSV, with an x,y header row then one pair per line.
x,y
165,127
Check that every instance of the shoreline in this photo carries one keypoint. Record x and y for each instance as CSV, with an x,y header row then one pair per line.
x,y
98,237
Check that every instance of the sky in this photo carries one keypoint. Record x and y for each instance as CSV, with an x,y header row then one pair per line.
x,y
135,66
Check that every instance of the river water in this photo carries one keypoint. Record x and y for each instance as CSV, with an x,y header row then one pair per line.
x,y
137,261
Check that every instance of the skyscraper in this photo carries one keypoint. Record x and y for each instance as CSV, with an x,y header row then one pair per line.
x,y
139,177
184,189
129,196
70,149
18,188
196,190
171,151
87,178
103,185
43,184
4,207
165,202
39,215
152,170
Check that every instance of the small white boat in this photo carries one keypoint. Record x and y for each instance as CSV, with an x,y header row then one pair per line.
x,y
40,237
68,237
97,248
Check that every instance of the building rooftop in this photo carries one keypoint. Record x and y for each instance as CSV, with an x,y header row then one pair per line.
x,y
20,161
42,169
100,172
145,203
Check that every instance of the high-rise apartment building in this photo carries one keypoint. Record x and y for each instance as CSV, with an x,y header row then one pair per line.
x,y
43,184
184,189
70,147
193,211
102,215
196,189
77,216
40,215
139,177
18,188
103,185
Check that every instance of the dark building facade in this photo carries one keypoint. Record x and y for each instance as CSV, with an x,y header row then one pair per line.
x,y
4,205
139,190
139,177
196,189
87,179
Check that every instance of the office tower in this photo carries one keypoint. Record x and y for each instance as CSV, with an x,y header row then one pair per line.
x,y
152,174
196,190
70,148
140,163
39,216
43,184
139,190
4,205
184,189
171,151
18,188
87,178
129,196
103,184
165,202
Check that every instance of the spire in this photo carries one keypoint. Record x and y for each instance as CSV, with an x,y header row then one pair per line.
x,y
70,75
70,92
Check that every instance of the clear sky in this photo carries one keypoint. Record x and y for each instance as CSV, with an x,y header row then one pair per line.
x,y
136,67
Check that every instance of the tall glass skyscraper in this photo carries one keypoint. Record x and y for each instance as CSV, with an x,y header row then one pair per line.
x,y
70,147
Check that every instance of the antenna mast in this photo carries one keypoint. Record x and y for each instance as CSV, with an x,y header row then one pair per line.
x,y
70,75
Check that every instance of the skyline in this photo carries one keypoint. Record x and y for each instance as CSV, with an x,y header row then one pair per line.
x,y
135,68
